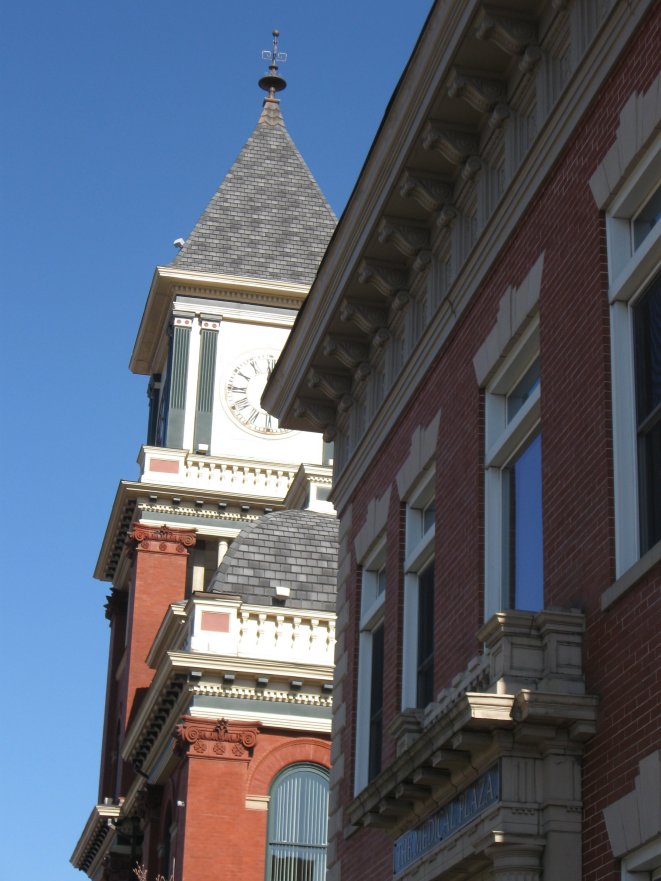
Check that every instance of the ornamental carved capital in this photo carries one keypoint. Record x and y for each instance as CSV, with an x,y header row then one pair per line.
x,y
161,539
220,739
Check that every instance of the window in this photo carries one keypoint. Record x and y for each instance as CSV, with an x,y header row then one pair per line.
x,y
297,823
514,566
634,244
369,718
419,594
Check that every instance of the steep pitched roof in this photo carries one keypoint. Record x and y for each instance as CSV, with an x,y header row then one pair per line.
x,y
268,219
294,549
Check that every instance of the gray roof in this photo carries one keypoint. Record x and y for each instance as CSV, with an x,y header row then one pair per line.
x,y
268,219
294,549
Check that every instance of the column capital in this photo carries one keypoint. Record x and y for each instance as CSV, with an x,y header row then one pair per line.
x,y
515,857
216,739
162,539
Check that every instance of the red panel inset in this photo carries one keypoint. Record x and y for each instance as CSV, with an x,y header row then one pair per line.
x,y
218,622
169,466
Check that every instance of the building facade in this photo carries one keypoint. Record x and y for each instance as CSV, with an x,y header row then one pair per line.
x,y
222,557
485,337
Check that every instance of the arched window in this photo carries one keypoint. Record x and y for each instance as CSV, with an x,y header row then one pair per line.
x,y
297,828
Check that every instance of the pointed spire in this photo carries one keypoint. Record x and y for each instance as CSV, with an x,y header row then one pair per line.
x,y
235,235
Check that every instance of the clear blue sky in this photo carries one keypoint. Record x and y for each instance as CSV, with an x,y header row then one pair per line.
x,y
119,121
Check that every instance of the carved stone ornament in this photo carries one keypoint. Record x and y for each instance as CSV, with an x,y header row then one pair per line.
x,y
429,192
348,351
512,35
387,278
366,317
408,238
321,415
333,385
454,145
162,539
219,739
482,93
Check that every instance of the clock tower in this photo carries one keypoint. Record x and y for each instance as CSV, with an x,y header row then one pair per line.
x,y
222,553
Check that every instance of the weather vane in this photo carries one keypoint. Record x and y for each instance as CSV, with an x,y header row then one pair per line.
x,y
272,82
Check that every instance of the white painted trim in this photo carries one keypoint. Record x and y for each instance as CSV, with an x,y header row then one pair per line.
x,y
503,442
630,273
419,554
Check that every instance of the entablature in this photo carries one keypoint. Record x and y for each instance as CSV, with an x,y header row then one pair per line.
x,y
489,99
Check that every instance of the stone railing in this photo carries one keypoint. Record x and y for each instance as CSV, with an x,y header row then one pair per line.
x,y
218,474
225,626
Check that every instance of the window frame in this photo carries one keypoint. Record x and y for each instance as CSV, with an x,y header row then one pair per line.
x,y
278,780
505,441
632,270
372,618
419,558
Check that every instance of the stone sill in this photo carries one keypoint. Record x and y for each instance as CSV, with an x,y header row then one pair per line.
x,y
631,577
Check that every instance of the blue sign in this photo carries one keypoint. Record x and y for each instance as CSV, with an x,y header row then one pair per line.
x,y
475,799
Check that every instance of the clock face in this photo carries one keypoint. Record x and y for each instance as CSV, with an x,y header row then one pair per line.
x,y
243,393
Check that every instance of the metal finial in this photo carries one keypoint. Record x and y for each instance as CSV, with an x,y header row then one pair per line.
x,y
272,82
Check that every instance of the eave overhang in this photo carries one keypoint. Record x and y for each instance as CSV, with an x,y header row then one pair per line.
x,y
440,132
179,675
96,837
167,282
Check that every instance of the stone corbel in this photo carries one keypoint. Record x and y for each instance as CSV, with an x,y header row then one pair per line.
x,y
333,385
446,217
430,192
480,92
512,35
455,145
366,317
350,352
409,239
317,412
389,279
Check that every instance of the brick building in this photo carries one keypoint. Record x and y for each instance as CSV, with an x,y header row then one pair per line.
x,y
484,343
222,557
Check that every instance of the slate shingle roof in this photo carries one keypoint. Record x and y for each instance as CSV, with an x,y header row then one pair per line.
x,y
268,219
294,549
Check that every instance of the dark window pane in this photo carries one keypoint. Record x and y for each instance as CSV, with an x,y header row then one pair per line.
x,y
425,679
647,340
523,553
376,704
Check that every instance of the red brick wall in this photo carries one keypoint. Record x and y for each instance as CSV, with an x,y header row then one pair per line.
x,y
218,837
621,657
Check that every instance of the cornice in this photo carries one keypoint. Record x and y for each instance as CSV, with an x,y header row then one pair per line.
x,y
420,85
217,287
95,837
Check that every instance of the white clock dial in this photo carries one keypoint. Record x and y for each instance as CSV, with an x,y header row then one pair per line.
x,y
243,393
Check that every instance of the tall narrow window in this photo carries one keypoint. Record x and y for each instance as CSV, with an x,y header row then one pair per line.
x,y
419,596
369,716
297,824
634,244
514,544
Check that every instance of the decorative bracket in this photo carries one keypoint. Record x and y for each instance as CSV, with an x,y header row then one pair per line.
x,y
428,191
409,239
388,278
454,145
512,35
482,93
366,317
